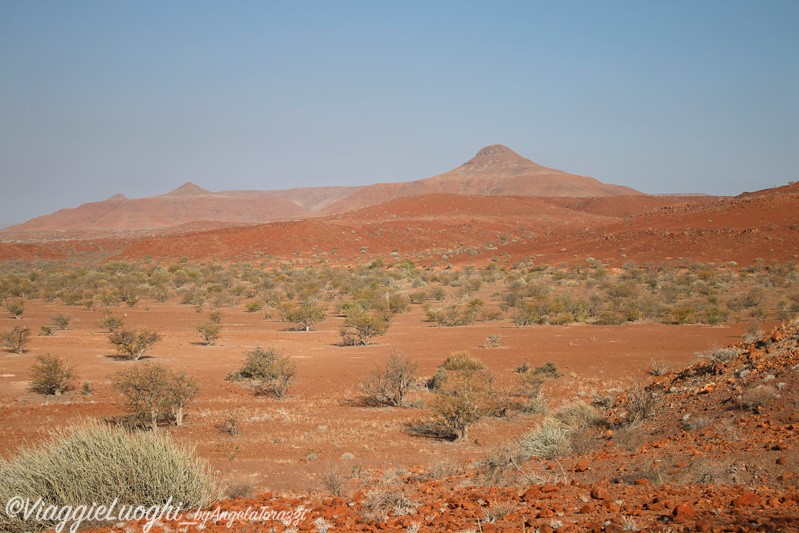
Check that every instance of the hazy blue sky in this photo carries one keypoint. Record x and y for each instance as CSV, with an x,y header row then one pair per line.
x,y
138,97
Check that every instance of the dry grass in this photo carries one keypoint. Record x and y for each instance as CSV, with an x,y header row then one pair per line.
x,y
757,397
98,463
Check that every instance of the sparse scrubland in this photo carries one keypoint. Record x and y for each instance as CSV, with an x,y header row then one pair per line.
x,y
345,380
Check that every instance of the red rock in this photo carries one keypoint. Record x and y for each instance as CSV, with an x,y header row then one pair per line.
x,y
641,481
656,506
488,528
549,487
683,512
587,508
599,493
582,466
532,494
782,461
746,499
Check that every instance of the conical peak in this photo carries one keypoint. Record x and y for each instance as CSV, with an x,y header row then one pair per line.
x,y
496,150
497,153
189,189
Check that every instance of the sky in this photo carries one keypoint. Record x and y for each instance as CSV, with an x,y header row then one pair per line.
x,y
137,97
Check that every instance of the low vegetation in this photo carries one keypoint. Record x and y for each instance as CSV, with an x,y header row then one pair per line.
x,y
51,375
16,339
267,371
152,392
132,344
97,463
390,385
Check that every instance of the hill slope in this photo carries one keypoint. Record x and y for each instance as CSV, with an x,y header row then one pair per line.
x,y
186,204
494,171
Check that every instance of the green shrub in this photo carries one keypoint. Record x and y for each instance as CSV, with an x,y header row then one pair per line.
x,y
303,316
463,399
111,323
16,308
266,370
209,332
51,375
100,464
359,327
132,344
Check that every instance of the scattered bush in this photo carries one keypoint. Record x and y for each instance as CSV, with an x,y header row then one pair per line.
x,y
267,371
209,332
303,316
548,441
462,360
640,404
390,385
658,367
384,501
61,321
51,375
16,339
530,391
98,463
111,323
132,344
465,397
16,308
757,397
333,482
718,356
492,341
579,415
153,392
359,328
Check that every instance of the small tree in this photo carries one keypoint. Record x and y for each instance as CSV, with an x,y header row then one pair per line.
x,y
133,344
209,332
359,327
267,371
111,322
304,316
51,375
182,390
16,308
145,390
390,385
16,339
153,392
465,397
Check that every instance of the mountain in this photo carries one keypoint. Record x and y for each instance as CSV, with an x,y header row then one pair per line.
x,y
187,204
495,171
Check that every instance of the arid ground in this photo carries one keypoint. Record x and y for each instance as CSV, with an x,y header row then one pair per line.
x,y
620,293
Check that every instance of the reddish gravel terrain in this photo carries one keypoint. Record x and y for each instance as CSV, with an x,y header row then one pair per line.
x,y
716,451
